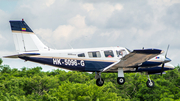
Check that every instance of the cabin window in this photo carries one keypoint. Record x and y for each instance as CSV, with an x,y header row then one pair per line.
x,y
121,53
81,55
109,53
95,54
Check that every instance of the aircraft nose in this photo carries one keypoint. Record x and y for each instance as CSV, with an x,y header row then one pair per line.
x,y
171,66
167,60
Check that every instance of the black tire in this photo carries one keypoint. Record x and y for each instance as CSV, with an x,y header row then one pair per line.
x,y
120,80
99,83
150,84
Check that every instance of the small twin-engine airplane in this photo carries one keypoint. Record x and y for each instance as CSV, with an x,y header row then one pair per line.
x,y
109,59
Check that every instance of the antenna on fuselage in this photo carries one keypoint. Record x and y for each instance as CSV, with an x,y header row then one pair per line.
x,y
70,46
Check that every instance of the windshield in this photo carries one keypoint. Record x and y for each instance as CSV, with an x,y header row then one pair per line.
x,y
121,53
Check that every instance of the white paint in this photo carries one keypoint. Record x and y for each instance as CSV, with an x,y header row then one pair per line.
x,y
120,72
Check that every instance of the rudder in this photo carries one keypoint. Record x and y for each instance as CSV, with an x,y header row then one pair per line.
x,y
24,38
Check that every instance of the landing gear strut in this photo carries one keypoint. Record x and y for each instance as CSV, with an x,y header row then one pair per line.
x,y
99,81
150,83
120,79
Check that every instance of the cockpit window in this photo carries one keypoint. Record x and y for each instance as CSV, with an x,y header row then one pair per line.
x,y
95,54
109,53
81,55
121,53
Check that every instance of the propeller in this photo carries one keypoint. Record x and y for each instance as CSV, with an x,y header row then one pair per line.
x,y
162,68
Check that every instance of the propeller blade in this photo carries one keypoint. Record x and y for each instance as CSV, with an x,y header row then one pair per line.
x,y
162,69
166,51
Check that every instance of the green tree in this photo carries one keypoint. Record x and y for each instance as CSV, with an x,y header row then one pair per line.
x,y
1,61
32,84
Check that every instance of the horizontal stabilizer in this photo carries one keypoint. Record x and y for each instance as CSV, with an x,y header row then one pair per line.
x,y
22,55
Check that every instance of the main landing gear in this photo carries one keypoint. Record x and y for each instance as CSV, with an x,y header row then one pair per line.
x,y
99,80
120,79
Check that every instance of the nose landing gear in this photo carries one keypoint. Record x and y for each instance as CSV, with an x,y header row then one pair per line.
x,y
150,83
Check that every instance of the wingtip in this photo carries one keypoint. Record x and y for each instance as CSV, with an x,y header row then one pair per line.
x,y
148,51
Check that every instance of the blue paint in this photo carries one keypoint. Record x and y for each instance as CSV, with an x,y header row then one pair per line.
x,y
90,66
152,69
96,65
49,61
148,51
19,26
150,63
31,54
157,57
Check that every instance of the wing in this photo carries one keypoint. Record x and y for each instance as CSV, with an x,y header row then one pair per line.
x,y
134,59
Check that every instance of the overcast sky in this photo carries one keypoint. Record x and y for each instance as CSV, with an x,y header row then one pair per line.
x,y
93,23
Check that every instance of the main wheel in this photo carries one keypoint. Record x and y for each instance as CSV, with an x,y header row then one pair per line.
x,y
99,82
120,80
150,83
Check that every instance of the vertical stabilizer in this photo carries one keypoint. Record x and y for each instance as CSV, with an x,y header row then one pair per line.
x,y
24,38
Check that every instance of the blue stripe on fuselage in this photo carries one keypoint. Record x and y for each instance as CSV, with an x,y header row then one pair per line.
x,y
96,65
71,64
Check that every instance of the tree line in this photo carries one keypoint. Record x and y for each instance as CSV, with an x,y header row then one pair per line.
x,y
33,84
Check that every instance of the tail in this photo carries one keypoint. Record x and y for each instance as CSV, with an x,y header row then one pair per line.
x,y
24,38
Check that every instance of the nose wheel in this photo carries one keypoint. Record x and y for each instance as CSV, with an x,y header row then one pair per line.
x,y
150,83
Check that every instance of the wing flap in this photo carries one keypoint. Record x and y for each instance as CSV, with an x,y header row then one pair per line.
x,y
134,59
